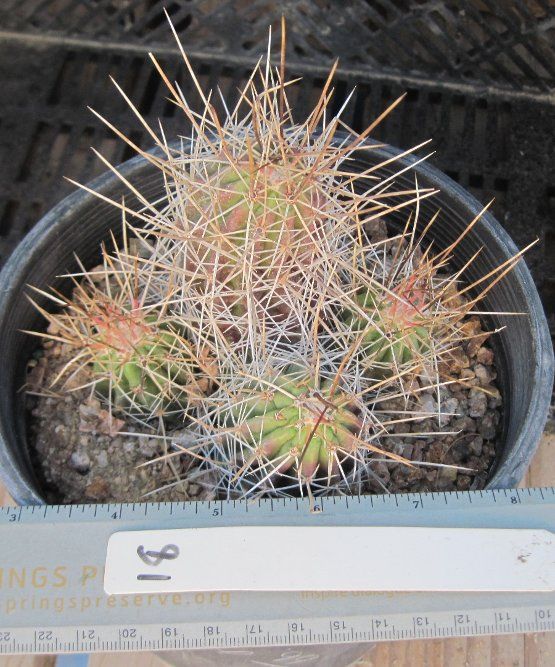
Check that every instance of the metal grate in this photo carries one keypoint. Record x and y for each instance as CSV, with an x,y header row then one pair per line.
x,y
510,44
495,142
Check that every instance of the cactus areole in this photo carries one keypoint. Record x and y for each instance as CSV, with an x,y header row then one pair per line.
x,y
297,422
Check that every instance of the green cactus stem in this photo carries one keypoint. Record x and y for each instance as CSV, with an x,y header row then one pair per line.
x,y
396,329
297,423
140,364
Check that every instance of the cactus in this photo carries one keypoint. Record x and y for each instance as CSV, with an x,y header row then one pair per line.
x,y
259,213
246,225
396,329
296,422
256,255
139,359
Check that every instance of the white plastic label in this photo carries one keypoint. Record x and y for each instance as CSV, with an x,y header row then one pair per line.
x,y
300,558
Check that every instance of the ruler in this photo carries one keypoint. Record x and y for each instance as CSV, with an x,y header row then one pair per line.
x,y
52,561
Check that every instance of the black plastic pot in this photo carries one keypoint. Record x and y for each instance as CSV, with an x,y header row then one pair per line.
x,y
523,349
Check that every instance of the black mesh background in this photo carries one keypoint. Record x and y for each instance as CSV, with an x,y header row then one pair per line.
x,y
480,77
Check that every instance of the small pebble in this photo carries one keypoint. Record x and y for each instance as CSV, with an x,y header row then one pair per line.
x,y
483,375
129,446
97,489
448,410
484,356
80,461
487,426
427,405
102,459
150,447
463,482
446,476
477,404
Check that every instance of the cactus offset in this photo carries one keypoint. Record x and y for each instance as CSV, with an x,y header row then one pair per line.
x,y
296,422
138,358
406,308
138,361
396,329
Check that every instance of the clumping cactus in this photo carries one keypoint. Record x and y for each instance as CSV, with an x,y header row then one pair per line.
x,y
259,310
295,421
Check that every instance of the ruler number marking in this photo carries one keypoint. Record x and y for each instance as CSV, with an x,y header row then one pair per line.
x,y
296,626
337,626
462,619
128,633
502,617
211,630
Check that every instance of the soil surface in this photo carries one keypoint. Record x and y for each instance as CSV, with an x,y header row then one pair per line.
x,y
84,454
471,409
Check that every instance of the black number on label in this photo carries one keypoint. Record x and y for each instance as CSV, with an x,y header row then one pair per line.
x,y
88,634
5,636
44,635
13,517
216,511
211,630
169,632
543,614
514,500
154,558
114,515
